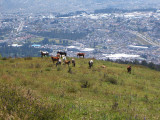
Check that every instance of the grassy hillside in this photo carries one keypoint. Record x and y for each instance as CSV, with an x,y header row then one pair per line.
x,y
34,88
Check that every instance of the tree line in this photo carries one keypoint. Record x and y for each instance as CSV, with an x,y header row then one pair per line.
x,y
61,34
116,10
150,65
24,51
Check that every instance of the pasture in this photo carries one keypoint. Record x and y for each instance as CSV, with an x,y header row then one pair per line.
x,y
34,88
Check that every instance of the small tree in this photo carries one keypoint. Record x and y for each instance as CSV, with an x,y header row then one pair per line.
x,y
151,65
45,41
144,63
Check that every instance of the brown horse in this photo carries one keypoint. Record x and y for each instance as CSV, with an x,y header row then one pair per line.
x,y
54,59
67,62
80,54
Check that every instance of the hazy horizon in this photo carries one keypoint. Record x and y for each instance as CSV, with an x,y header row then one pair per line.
x,y
64,6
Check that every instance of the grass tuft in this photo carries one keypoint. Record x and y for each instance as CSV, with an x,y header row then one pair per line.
x,y
111,80
28,58
85,84
72,89
37,65
4,58
70,70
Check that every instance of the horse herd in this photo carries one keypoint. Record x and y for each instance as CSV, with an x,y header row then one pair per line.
x,y
63,55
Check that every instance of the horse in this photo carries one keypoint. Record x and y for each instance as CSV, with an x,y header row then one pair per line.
x,y
90,63
80,54
58,62
44,53
103,66
62,53
67,62
55,59
73,62
64,59
58,55
129,69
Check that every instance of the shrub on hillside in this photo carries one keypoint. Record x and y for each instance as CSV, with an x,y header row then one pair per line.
x,y
4,58
50,65
115,106
69,70
72,89
37,65
21,104
48,69
111,80
85,84
58,68
11,61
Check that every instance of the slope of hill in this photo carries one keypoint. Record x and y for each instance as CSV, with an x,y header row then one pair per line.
x,y
34,88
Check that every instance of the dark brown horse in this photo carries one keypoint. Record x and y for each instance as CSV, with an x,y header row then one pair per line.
x,y
62,53
80,54
44,53
129,69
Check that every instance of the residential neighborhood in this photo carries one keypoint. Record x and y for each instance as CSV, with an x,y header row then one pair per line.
x,y
119,35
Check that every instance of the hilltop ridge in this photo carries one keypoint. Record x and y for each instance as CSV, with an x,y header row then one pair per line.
x,y
64,92
72,5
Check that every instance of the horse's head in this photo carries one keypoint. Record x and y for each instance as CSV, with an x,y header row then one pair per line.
x,y
91,61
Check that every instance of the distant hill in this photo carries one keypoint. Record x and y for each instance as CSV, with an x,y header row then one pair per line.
x,y
64,6
34,88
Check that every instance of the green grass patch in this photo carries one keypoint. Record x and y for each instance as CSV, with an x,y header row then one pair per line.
x,y
37,89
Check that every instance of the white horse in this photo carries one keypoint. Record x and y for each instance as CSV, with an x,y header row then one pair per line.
x,y
73,62
90,63
44,53
64,58
58,62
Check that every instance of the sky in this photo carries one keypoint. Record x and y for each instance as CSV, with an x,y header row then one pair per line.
x,y
64,6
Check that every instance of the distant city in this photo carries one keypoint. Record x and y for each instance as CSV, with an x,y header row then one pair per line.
x,y
103,34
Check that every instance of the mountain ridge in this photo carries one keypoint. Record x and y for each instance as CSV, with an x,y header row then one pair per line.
x,y
63,6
